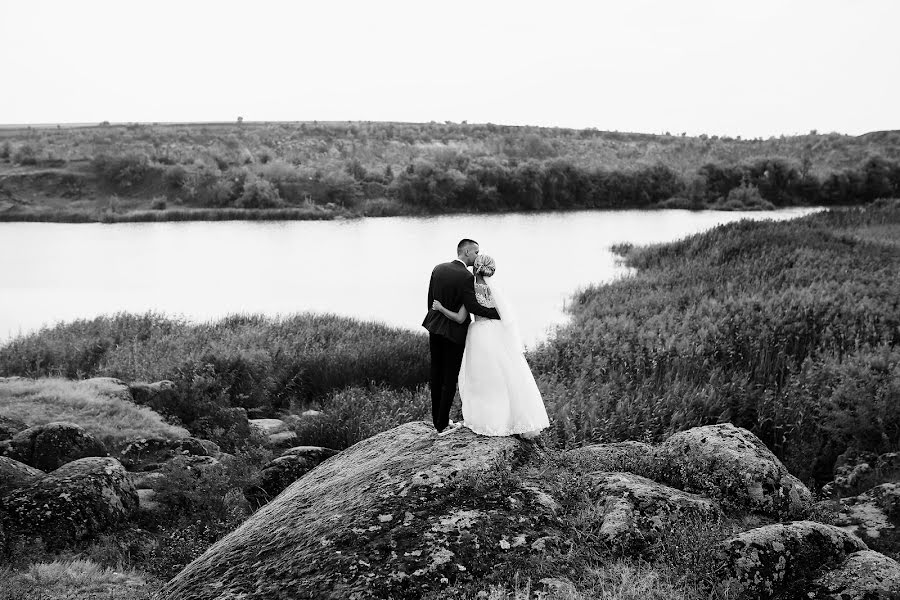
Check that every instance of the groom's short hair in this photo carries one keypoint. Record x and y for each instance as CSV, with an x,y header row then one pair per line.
x,y
463,243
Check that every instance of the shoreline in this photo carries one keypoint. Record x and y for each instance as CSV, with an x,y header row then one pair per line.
x,y
320,214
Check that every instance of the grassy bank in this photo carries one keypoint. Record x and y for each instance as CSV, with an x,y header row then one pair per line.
x,y
143,172
789,329
109,419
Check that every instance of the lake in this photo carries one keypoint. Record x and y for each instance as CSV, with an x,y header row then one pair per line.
x,y
374,269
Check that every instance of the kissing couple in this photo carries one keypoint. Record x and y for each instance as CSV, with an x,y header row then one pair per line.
x,y
485,356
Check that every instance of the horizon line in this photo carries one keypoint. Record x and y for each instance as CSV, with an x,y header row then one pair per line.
x,y
90,124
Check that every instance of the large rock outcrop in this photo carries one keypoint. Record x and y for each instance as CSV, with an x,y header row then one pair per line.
x,y
52,445
76,501
767,560
730,462
394,516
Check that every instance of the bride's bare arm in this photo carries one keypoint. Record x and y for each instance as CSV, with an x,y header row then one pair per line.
x,y
460,316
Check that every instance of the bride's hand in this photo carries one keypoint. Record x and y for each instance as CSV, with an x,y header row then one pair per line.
x,y
436,305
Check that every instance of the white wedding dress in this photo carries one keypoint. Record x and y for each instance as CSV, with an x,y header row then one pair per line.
x,y
499,395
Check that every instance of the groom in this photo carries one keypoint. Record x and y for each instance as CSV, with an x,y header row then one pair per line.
x,y
453,285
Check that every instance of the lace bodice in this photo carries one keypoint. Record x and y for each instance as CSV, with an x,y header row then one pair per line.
x,y
483,295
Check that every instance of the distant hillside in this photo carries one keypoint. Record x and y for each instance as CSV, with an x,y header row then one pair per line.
x,y
323,169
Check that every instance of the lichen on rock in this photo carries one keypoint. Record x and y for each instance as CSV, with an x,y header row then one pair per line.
x,y
14,474
52,445
765,560
76,501
731,463
636,509
400,515
865,575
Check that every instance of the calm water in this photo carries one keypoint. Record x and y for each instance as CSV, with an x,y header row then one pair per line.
x,y
371,268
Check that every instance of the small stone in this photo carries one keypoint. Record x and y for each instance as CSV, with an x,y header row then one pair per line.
x,y
504,544
385,518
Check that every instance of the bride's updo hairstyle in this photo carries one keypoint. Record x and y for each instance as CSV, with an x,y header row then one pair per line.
x,y
484,265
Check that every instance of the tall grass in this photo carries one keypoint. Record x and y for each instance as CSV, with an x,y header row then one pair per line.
x,y
248,361
111,420
789,329
72,578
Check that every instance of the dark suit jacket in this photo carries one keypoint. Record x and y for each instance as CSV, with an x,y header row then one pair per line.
x,y
453,284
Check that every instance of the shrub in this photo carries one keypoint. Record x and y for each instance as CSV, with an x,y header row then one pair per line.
x,y
25,155
354,414
746,196
175,178
123,172
258,193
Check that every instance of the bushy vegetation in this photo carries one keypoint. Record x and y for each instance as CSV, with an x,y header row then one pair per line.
x,y
396,168
242,361
111,420
789,329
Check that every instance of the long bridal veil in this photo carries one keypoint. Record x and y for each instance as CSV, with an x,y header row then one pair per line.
x,y
498,391
508,316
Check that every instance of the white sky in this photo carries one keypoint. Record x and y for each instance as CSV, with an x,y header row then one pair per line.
x,y
750,68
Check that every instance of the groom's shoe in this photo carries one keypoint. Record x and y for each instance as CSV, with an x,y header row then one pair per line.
x,y
451,427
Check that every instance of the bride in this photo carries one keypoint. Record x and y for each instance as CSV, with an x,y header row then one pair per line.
x,y
499,395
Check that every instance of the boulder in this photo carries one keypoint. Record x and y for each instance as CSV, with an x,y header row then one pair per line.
x,y
10,427
146,393
15,474
49,446
636,509
730,462
874,516
633,457
282,439
403,514
865,575
146,454
199,465
268,426
284,470
768,560
856,471
76,501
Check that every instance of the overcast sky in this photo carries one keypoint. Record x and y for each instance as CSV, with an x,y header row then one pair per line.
x,y
755,68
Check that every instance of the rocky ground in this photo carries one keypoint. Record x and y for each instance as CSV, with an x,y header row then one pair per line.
x,y
409,514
